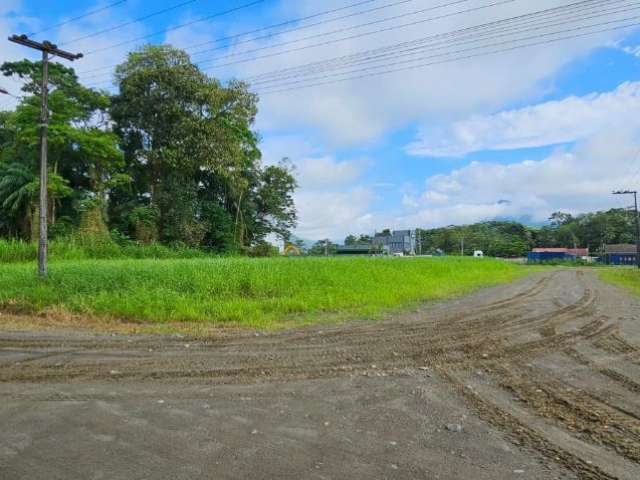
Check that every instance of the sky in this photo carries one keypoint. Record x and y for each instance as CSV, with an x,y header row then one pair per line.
x,y
399,114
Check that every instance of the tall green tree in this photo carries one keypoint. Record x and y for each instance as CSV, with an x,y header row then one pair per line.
x,y
83,151
190,147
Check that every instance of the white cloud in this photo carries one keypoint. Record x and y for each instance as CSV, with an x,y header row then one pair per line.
x,y
361,110
578,180
327,214
325,172
12,22
410,201
632,50
276,147
329,200
549,123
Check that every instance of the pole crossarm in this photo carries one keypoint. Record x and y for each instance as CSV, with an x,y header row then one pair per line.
x,y
45,46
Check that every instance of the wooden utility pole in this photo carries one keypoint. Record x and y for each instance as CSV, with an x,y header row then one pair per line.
x,y
637,219
47,48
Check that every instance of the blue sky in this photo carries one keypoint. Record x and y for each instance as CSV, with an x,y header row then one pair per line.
x,y
519,134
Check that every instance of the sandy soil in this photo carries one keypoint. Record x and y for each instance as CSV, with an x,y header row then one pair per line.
x,y
538,380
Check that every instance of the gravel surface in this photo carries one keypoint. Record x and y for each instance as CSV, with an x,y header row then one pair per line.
x,y
539,379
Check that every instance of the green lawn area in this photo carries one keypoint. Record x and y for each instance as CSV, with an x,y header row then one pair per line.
x,y
628,278
263,293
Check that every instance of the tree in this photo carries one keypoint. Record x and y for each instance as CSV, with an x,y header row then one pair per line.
x,y
172,157
83,151
190,147
350,240
323,247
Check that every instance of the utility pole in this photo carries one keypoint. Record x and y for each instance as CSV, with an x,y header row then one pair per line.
x,y
47,48
637,218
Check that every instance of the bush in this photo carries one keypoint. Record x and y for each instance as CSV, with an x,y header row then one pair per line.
x,y
81,248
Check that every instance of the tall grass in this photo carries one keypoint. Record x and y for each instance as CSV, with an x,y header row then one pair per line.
x,y
249,292
628,278
12,251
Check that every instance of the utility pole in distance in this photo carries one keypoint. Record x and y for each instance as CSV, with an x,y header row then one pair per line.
x,y
47,48
635,201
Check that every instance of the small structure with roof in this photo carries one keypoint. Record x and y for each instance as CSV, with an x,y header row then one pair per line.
x,y
398,242
620,254
556,254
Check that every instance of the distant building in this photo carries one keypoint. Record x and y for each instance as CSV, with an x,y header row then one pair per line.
x,y
397,242
362,249
576,252
620,254
554,254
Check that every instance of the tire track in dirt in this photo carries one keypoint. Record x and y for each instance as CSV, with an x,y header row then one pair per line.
x,y
500,336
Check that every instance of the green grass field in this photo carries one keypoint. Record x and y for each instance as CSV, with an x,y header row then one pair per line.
x,y
628,278
263,293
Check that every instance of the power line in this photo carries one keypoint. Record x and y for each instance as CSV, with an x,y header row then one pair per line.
x,y
7,92
441,36
301,19
288,22
130,22
387,52
79,17
177,27
562,9
286,84
271,35
544,14
417,12
351,37
367,24
435,7
465,57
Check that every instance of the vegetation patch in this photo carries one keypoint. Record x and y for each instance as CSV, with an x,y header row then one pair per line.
x,y
262,293
628,278
12,251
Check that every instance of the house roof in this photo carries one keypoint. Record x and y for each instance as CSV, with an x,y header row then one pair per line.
x,y
578,252
624,248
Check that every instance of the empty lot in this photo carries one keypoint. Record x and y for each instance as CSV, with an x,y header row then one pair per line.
x,y
538,379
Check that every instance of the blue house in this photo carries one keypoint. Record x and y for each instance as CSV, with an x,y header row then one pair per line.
x,y
620,254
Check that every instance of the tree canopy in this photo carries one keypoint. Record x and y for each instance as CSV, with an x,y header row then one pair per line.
x,y
172,157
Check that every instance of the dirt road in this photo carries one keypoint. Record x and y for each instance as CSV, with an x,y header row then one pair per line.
x,y
538,380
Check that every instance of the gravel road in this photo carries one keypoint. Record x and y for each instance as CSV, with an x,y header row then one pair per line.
x,y
539,379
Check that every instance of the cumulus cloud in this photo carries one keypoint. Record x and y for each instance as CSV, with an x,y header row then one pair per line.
x,y
362,109
325,172
330,200
12,21
331,214
577,180
549,123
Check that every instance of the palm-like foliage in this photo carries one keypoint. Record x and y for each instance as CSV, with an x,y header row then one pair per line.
x,y
18,187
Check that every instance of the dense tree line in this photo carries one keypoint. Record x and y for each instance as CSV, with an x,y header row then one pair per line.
x,y
513,239
172,157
